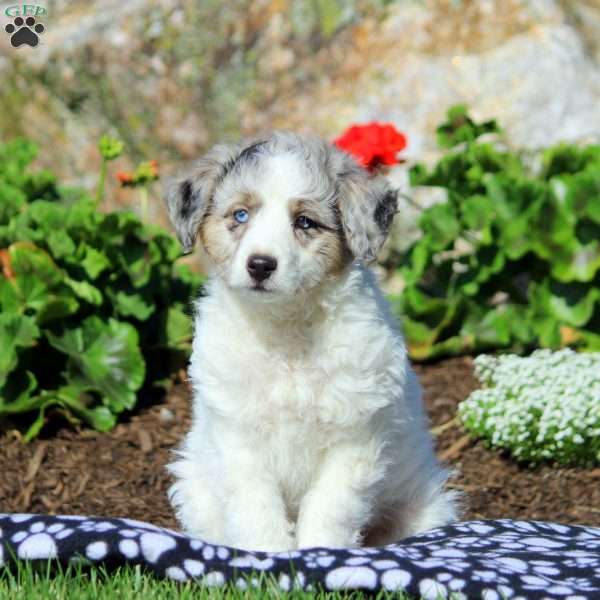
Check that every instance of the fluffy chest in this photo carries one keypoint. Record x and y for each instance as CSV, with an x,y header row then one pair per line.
x,y
265,388
310,399
304,378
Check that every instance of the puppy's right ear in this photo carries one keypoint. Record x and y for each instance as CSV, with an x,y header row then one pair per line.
x,y
189,195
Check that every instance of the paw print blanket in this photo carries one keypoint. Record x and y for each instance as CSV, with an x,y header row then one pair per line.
x,y
475,559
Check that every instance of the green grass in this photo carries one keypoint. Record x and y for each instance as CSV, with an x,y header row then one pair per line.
x,y
49,582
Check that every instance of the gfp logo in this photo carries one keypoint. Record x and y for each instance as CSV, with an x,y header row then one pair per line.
x,y
25,10
25,28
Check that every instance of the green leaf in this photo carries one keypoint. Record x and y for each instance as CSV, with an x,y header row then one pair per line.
x,y
419,257
105,357
179,329
99,418
191,279
547,329
569,159
9,297
424,320
16,393
86,291
16,331
117,225
169,247
75,398
420,338
441,225
12,201
27,259
571,303
483,264
459,127
38,284
477,212
590,341
137,259
500,327
581,265
47,215
60,244
16,155
134,305
93,262
36,426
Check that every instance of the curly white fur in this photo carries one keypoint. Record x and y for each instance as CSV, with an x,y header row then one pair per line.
x,y
308,425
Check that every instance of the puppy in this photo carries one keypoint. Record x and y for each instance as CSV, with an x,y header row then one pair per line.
x,y
308,425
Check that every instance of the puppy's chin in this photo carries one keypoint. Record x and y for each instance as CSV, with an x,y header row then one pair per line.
x,y
260,294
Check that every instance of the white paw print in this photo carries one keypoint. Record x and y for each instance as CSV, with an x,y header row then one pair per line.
x,y
407,552
39,540
286,583
253,562
96,526
485,576
320,558
580,583
150,544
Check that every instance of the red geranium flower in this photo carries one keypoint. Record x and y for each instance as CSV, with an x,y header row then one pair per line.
x,y
145,173
124,178
372,144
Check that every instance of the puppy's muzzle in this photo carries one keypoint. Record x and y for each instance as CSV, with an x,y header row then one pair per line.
x,y
261,266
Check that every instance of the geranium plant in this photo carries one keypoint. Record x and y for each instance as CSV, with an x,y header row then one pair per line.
x,y
511,260
93,306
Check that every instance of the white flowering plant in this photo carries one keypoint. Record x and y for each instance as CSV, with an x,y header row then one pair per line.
x,y
544,407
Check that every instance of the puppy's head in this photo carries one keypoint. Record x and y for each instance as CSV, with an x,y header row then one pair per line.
x,y
282,214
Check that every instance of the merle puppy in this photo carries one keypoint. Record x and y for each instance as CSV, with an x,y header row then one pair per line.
x,y
308,425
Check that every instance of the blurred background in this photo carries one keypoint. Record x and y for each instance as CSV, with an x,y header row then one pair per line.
x,y
172,77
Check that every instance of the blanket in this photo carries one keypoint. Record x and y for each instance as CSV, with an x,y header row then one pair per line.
x,y
475,559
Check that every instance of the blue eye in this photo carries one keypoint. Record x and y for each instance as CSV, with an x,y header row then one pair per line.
x,y
303,222
241,216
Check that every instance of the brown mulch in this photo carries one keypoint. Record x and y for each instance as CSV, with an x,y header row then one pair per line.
x,y
122,473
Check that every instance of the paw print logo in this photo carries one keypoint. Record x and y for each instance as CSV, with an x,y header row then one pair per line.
x,y
24,32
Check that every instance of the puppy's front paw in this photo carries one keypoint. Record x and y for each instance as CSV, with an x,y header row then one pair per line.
x,y
328,538
268,536
281,543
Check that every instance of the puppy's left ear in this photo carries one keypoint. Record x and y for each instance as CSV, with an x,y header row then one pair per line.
x,y
189,194
367,206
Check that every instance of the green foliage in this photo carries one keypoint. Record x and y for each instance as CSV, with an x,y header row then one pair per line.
x,y
512,259
461,128
93,306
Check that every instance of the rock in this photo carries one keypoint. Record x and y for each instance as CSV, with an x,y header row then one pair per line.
x,y
166,416
171,77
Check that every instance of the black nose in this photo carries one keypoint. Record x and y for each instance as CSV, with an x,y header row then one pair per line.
x,y
260,266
